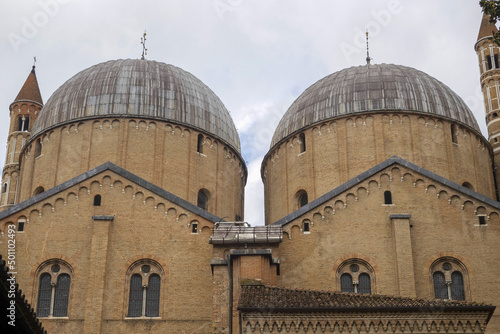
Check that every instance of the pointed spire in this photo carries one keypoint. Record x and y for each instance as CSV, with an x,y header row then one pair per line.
x,y
30,90
487,28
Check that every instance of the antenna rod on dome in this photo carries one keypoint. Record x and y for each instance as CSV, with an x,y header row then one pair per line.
x,y
367,50
143,42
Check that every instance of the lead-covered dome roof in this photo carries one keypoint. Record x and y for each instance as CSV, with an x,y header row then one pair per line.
x,y
380,87
139,88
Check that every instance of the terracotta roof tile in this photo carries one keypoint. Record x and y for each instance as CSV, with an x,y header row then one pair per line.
x,y
30,90
262,297
487,28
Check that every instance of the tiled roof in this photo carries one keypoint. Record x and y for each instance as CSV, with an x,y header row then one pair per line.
x,y
370,88
139,88
30,90
487,28
277,299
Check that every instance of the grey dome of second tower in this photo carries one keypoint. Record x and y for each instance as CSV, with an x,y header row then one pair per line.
x,y
380,87
139,88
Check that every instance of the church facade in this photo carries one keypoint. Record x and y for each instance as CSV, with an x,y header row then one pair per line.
x,y
125,191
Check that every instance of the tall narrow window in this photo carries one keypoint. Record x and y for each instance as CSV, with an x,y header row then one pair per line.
x,y
488,59
97,200
202,200
199,147
346,283
153,296
364,283
54,289
135,296
306,227
194,228
387,197
302,142
4,188
495,57
303,200
145,287
454,138
38,148
61,296
440,289
20,121
44,296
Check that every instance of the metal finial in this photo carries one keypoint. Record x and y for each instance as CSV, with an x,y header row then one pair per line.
x,y
34,63
143,42
367,50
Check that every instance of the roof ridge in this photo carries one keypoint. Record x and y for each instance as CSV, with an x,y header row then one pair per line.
x,y
122,172
376,169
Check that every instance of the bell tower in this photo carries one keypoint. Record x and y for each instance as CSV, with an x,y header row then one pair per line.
x,y
489,67
23,113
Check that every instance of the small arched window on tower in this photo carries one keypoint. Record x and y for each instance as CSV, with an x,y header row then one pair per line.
x,y
38,148
467,185
302,142
23,123
97,200
454,138
4,188
488,59
387,197
495,58
38,190
203,199
199,147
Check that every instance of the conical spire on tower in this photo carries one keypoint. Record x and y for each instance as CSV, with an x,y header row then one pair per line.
x,y
487,28
30,90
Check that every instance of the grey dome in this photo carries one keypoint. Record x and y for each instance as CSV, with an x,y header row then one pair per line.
x,y
381,87
139,88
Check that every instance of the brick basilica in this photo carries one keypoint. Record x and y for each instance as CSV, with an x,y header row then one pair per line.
x,y
126,190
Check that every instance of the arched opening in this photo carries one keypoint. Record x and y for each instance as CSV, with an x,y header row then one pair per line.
x,y
495,57
38,148
467,185
4,188
38,190
387,197
203,196
23,123
454,138
302,142
97,200
488,59
199,147
301,198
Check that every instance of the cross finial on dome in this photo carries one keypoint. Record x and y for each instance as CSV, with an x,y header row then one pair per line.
x,y
367,50
143,42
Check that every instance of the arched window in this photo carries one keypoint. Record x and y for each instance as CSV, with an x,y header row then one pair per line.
x,y
303,200
346,283
97,200
495,58
145,286
38,148
53,288
4,188
302,142
356,276
202,199
454,138
387,197
467,185
488,59
199,147
448,279
38,190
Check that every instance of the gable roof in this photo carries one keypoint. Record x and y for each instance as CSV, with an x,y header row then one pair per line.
x,y
394,160
123,173
272,299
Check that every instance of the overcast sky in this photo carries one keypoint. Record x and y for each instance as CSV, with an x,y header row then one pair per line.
x,y
256,55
